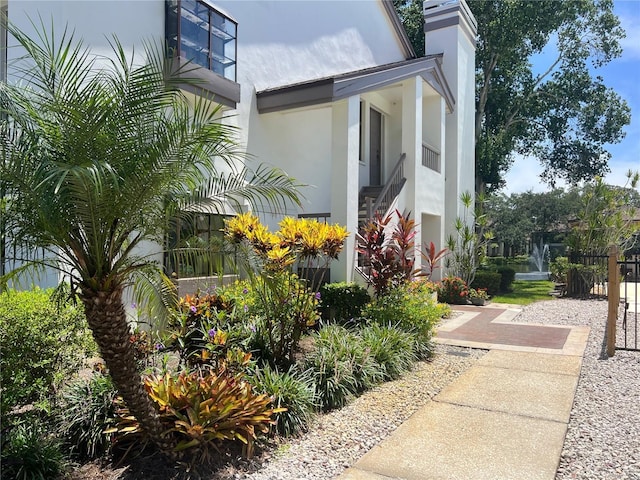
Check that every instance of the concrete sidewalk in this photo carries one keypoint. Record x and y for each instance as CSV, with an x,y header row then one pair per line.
x,y
504,418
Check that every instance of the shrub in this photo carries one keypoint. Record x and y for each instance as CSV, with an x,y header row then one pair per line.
x,y
453,290
285,304
496,261
292,390
341,366
508,275
204,330
391,348
29,454
390,260
560,269
87,410
41,344
412,308
487,280
203,408
341,302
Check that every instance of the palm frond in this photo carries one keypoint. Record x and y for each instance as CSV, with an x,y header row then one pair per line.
x,y
267,190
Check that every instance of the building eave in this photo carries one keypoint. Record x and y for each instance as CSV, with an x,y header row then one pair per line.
x,y
344,85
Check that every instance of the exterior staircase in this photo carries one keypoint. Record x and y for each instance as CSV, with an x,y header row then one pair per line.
x,y
377,200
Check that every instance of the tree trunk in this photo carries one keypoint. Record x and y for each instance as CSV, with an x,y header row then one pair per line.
x,y
107,319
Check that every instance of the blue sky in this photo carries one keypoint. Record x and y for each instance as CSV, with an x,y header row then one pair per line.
x,y
623,75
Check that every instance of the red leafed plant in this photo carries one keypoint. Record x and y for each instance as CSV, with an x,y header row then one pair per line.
x,y
432,258
390,261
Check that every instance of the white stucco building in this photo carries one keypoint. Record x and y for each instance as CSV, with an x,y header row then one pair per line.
x,y
330,91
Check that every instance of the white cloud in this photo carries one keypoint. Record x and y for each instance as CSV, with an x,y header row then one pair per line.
x,y
629,14
524,175
619,169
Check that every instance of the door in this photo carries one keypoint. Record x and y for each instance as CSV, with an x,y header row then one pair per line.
x,y
375,147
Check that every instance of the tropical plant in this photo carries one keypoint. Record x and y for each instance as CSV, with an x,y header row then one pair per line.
x,y
96,155
389,259
284,304
87,410
291,390
200,409
453,290
432,257
606,216
468,246
204,330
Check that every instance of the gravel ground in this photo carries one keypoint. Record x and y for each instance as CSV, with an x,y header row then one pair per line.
x,y
603,439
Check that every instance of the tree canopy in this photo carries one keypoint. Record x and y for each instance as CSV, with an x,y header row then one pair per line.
x,y
562,114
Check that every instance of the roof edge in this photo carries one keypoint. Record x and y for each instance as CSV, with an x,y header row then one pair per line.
x,y
398,27
337,87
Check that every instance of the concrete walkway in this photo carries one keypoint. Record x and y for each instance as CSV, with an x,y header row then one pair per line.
x,y
504,418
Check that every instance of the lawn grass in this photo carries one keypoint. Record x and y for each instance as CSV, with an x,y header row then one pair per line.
x,y
526,292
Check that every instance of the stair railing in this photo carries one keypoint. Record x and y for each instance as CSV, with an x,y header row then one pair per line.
x,y
381,205
389,192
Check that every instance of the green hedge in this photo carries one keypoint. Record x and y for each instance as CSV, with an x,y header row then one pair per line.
x,y
41,344
341,302
508,276
489,280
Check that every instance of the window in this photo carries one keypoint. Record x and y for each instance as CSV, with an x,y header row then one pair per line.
x,y
200,33
195,246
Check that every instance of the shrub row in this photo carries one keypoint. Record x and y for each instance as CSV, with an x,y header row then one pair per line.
x,y
494,281
209,336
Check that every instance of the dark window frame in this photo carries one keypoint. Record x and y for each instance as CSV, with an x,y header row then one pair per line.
x,y
180,262
226,91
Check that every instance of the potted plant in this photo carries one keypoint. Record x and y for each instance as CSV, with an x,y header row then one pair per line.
x,y
478,296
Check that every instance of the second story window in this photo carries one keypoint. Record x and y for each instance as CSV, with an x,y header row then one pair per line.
x,y
205,36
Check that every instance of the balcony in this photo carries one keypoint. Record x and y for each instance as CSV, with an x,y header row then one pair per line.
x,y
198,33
431,158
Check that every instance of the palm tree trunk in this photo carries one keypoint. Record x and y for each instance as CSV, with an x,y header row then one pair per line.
x,y
107,319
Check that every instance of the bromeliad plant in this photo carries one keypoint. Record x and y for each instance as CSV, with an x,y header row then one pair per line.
x,y
286,304
201,409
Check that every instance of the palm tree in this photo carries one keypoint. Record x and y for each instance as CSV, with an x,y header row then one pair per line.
x,y
94,154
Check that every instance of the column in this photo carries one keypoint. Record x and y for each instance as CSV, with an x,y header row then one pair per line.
x,y
345,148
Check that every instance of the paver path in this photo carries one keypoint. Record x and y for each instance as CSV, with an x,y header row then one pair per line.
x,y
503,419
495,327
